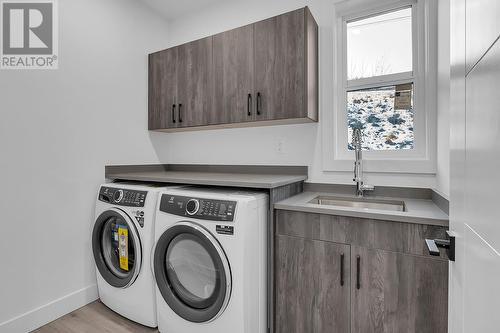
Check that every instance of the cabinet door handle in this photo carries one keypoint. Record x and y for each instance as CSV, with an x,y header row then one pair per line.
x,y
358,269
249,104
341,269
259,98
180,113
173,113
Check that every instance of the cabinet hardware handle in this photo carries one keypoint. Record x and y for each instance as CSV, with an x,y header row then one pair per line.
x,y
180,113
249,104
358,267
258,103
173,113
342,269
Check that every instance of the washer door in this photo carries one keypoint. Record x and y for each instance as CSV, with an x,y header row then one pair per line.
x,y
117,248
192,272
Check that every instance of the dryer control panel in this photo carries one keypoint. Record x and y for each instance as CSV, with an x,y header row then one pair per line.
x,y
198,208
122,197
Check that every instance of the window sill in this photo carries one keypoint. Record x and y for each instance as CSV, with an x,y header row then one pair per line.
x,y
416,166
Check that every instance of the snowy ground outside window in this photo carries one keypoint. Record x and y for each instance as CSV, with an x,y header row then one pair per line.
x,y
383,127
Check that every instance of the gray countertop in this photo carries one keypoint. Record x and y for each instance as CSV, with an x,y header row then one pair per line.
x,y
419,211
250,180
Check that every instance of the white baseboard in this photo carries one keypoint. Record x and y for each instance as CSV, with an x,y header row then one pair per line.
x,y
46,313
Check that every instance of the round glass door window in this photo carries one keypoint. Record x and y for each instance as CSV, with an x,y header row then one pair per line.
x,y
192,272
115,248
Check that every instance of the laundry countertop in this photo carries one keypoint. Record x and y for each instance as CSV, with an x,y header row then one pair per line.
x,y
213,177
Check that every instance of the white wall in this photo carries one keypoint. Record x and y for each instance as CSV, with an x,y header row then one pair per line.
x,y
57,131
302,143
443,99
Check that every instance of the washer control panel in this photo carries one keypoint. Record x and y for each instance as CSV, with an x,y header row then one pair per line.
x,y
122,197
199,208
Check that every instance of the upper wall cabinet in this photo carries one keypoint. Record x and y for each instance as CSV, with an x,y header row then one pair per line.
x,y
233,76
194,83
180,86
162,89
281,61
260,74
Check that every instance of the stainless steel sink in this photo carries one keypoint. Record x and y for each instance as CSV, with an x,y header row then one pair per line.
x,y
392,205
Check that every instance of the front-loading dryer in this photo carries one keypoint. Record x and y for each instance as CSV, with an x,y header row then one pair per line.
x,y
122,242
210,261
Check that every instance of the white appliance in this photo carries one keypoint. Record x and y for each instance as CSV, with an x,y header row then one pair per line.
x,y
210,261
122,242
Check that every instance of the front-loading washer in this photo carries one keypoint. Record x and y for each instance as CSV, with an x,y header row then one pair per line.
x,y
210,260
122,242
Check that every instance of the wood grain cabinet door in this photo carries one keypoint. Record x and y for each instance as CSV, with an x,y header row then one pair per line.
x,y
280,77
194,82
162,89
311,293
395,292
234,98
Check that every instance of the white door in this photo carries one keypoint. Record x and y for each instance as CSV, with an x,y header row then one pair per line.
x,y
475,166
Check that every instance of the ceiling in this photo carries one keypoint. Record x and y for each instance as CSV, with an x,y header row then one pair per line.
x,y
172,9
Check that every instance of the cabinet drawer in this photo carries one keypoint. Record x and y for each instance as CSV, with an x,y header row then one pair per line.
x,y
374,234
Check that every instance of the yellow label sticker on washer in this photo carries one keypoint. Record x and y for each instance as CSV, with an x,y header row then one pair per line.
x,y
123,247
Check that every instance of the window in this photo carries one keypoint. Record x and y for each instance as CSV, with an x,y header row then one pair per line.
x,y
379,52
384,83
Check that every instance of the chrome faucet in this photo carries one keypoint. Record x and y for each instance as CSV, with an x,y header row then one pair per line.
x,y
357,140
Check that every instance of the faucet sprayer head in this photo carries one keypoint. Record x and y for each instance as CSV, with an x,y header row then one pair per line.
x,y
357,137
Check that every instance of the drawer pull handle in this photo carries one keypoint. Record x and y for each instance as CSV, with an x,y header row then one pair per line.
x,y
249,104
342,269
358,269
259,103
180,113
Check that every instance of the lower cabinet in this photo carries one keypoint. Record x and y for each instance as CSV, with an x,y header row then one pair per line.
x,y
395,292
312,286
330,286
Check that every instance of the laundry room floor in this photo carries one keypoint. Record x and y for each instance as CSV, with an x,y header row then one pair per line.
x,y
93,318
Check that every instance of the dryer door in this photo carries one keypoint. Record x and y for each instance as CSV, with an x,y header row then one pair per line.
x,y
117,248
192,272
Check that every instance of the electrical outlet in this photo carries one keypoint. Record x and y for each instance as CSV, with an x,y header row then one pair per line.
x,y
280,146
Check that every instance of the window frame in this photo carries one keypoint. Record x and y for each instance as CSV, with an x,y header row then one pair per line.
x,y
420,159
